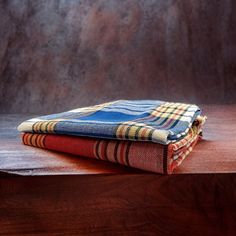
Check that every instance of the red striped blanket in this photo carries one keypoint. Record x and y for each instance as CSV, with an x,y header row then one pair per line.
x,y
142,155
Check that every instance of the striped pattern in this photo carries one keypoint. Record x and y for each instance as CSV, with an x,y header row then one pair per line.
x,y
44,126
134,131
35,140
142,155
113,151
174,111
91,109
167,131
169,115
142,120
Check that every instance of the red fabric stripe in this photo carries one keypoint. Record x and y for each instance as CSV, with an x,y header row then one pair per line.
x,y
103,150
142,155
121,154
68,144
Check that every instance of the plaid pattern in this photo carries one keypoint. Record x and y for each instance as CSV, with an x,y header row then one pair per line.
x,y
142,155
145,120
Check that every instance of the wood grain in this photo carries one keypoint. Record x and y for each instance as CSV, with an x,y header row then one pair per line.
x,y
143,204
216,153
17,158
66,195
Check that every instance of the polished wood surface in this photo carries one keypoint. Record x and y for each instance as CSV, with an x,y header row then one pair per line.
x,y
19,159
57,55
216,153
143,204
62,194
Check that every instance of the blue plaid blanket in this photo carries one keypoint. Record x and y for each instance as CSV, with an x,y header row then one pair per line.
x,y
141,120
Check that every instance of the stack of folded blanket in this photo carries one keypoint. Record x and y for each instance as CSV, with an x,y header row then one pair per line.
x,y
146,134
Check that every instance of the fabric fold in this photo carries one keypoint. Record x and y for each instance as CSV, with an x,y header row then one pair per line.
x,y
146,156
145,134
141,120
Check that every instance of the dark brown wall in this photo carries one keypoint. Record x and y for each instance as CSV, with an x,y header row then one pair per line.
x,y
57,54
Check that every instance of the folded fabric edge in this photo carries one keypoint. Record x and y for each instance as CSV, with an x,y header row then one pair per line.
x,y
179,150
142,155
157,135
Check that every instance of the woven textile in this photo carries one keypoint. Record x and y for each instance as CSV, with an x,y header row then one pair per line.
x,y
141,120
150,135
142,155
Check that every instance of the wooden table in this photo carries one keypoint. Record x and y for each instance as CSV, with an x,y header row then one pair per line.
x,y
44,192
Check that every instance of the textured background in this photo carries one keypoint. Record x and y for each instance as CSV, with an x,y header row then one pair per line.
x,y
57,54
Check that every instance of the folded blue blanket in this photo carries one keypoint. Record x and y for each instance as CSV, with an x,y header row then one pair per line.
x,y
142,120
